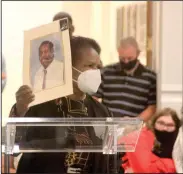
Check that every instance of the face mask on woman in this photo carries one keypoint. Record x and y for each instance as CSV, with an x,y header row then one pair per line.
x,y
89,80
165,142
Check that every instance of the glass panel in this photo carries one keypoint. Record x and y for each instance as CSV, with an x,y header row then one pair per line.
x,y
106,135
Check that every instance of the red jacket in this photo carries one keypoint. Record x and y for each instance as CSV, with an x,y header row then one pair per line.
x,y
143,160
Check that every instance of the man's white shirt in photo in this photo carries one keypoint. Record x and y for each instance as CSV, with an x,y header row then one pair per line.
x,y
50,77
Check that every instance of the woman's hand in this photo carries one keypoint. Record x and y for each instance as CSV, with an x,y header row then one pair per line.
x,y
24,96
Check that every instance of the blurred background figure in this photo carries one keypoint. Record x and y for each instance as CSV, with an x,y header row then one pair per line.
x,y
156,143
3,73
128,88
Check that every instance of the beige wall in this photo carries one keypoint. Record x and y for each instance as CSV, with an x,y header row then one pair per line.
x,y
81,12
168,46
97,19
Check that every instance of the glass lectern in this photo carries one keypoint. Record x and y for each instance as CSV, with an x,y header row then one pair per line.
x,y
103,135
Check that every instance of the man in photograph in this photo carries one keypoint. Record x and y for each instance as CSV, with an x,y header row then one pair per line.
x,y
51,72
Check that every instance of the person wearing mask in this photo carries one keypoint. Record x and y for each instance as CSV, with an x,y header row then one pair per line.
x,y
85,61
153,152
93,43
128,88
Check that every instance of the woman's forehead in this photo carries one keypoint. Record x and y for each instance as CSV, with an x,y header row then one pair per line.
x,y
90,56
166,118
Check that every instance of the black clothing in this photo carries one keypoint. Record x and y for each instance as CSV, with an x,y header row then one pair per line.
x,y
164,143
55,137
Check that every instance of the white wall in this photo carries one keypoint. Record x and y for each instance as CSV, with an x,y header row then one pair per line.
x,y
169,55
81,13
18,16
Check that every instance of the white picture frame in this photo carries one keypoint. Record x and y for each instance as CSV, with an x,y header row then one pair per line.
x,y
58,85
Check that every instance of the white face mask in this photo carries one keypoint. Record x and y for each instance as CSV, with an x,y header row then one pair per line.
x,y
89,81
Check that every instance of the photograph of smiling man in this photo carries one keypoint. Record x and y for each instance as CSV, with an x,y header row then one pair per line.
x,y
50,72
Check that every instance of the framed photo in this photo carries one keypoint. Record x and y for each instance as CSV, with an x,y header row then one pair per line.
x,y
47,66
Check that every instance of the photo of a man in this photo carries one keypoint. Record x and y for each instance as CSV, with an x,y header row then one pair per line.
x,y
47,65
51,71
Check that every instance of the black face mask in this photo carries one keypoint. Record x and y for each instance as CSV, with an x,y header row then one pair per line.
x,y
166,142
128,66
165,137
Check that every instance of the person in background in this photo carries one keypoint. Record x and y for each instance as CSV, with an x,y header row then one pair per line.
x,y
93,43
85,61
128,88
153,152
3,74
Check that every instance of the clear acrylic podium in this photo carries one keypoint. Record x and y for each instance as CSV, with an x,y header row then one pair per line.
x,y
54,135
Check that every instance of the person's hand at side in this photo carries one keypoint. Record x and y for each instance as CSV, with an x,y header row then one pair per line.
x,y
125,164
24,96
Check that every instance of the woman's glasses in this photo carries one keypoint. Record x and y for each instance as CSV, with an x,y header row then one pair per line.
x,y
170,126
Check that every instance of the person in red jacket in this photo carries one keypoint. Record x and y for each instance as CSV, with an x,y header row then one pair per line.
x,y
153,153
